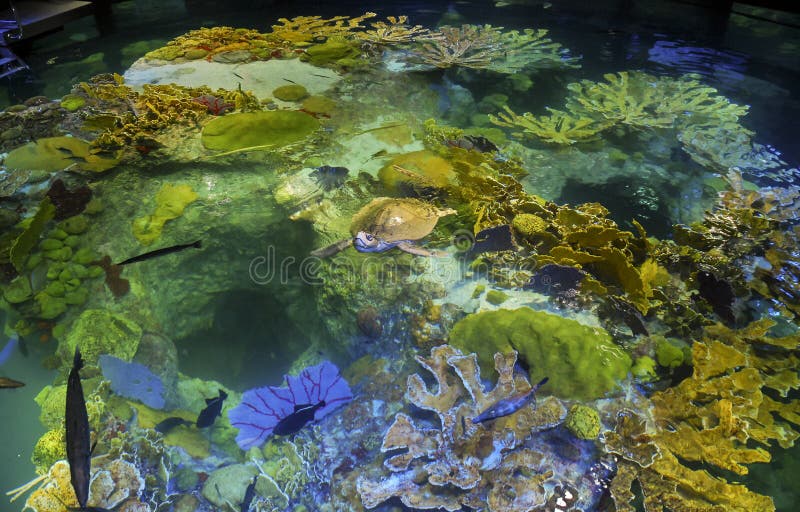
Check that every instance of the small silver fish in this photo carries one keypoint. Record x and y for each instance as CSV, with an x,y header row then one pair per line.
x,y
509,405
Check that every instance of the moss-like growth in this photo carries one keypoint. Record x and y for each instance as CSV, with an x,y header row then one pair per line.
x,y
75,225
336,50
290,92
97,332
582,362
257,130
427,170
583,422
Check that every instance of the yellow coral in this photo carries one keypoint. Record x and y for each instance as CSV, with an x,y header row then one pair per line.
x,y
48,449
396,31
302,30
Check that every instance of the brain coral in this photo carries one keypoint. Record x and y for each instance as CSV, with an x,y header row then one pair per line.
x,y
582,362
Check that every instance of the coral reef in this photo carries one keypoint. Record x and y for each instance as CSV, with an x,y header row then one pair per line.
x,y
302,30
488,47
459,463
719,416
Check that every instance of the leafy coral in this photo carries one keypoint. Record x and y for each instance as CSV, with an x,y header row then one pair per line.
x,y
734,401
303,30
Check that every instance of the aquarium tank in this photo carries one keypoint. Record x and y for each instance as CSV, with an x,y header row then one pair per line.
x,y
475,255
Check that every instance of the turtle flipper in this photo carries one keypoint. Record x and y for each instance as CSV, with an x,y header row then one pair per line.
x,y
418,251
330,250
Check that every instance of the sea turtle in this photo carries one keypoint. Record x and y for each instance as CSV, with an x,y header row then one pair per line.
x,y
385,223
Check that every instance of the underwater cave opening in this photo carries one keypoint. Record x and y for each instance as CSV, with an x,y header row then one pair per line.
x,y
251,341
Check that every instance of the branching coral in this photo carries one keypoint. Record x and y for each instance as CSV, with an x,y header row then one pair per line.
x,y
396,31
208,41
488,47
637,100
302,30
559,127
459,463
716,417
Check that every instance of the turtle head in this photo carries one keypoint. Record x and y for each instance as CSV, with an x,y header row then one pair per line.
x,y
367,242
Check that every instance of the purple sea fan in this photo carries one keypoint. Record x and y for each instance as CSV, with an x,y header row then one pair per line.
x,y
261,409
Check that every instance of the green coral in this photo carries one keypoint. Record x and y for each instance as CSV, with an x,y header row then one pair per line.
x,y
583,422
18,290
644,368
496,297
72,102
257,130
48,449
96,332
581,362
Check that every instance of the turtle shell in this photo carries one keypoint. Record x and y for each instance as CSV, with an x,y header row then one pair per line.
x,y
393,219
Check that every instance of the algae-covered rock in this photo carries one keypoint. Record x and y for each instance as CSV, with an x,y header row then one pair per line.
x,y
581,362
290,92
427,170
171,201
75,225
333,51
57,153
496,297
319,105
644,368
583,422
264,130
96,332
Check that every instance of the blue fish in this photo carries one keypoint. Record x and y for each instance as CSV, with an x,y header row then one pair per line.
x,y
8,349
509,405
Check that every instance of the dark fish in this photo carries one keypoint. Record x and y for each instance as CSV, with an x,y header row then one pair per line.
x,y
170,423
79,448
718,293
5,382
162,252
330,178
628,313
237,75
290,81
556,280
470,142
213,409
249,493
493,239
509,405
303,413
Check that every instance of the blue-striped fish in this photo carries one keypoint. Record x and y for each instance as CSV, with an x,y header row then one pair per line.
x,y
509,405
